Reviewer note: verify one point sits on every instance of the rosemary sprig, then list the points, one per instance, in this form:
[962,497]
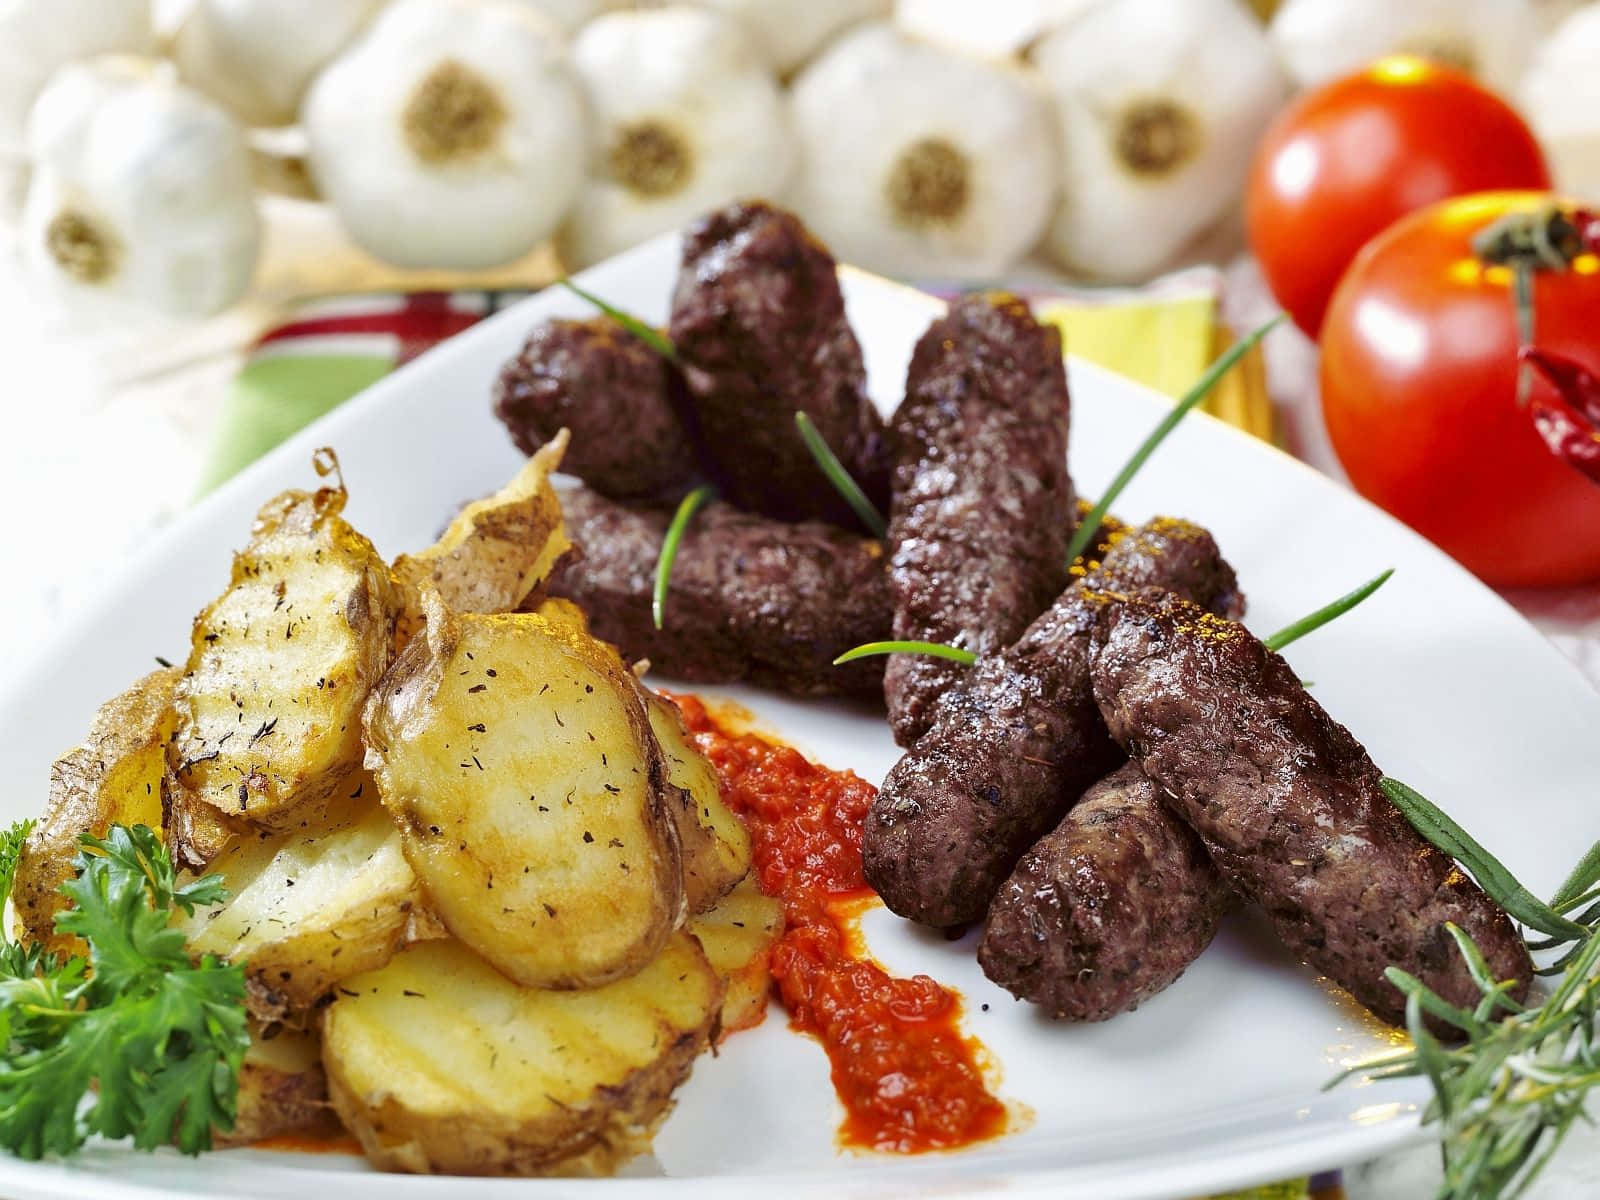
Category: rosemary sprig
[1296,630]
[687,507]
[933,649]
[1091,522]
[837,475]
[1507,1095]
[645,332]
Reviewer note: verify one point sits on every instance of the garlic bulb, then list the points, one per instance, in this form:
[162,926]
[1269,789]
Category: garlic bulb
[919,161]
[1561,99]
[450,135]
[257,57]
[989,30]
[1160,104]
[37,36]
[572,15]
[686,116]
[789,32]
[1321,40]
[140,192]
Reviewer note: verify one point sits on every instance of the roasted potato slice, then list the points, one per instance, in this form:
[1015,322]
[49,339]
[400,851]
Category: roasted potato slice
[516,757]
[113,778]
[269,707]
[497,549]
[282,1088]
[309,908]
[737,936]
[438,1063]
[715,844]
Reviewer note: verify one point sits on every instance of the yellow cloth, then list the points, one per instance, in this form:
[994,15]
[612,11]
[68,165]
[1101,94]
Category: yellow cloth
[1167,344]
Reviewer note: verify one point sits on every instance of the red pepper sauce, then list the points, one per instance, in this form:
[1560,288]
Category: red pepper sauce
[909,1080]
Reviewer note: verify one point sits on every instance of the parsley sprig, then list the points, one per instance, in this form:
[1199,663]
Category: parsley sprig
[136,1041]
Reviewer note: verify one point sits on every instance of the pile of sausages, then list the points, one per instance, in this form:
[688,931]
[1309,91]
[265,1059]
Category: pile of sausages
[1122,764]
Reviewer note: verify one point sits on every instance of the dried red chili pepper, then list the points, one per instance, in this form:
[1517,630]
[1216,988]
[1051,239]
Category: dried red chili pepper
[1569,423]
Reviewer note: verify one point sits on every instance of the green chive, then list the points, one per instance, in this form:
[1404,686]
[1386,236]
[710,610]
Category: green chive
[646,333]
[1316,620]
[838,476]
[1438,829]
[1086,527]
[687,507]
[936,649]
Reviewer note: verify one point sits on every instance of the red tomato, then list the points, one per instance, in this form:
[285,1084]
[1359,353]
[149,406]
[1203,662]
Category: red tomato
[1419,376]
[1347,160]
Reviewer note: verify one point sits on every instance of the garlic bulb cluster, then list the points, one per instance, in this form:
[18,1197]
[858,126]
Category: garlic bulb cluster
[140,191]
[918,160]
[1320,40]
[685,114]
[38,36]
[452,134]
[1561,97]
[1160,104]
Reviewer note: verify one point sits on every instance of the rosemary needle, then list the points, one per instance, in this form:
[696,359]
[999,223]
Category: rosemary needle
[646,333]
[1298,629]
[838,476]
[1097,514]
[935,649]
[687,507]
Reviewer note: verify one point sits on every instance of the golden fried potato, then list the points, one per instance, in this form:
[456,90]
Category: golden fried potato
[497,549]
[282,1088]
[516,757]
[269,707]
[309,908]
[113,778]
[716,846]
[438,1063]
[195,832]
[737,936]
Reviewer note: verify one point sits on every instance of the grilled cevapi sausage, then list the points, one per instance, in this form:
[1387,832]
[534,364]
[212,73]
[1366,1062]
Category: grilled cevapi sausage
[751,599]
[622,401]
[1013,747]
[759,325]
[982,508]
[1288,805]
[1106,909]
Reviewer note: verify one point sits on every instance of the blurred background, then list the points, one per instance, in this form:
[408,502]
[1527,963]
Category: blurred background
[218,218]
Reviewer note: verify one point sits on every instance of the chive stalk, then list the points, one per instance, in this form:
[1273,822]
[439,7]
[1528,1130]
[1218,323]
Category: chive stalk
[837,475]
[687,508]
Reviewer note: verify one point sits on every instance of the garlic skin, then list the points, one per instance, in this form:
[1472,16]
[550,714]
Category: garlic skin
[257,57]
[686,116]
[572,15]
[1160,104]
[988,30]
[38,36]
[451,135]
[140,192]
[1320,40]
[916,161]
[1561,100]
[790,32]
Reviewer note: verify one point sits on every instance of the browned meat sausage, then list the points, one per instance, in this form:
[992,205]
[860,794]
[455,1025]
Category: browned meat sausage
[621,400]
[1108,908]
[1016,745]
[759,324]
[1288,805]
[751,600]
[982,507]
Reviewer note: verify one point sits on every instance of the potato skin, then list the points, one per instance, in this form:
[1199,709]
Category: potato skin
[269,707]
[516,758]
[115,777]
[438,1063]
[715,844]
[283,1089]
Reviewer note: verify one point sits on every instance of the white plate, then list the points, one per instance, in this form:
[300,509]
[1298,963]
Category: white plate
[1213,1084]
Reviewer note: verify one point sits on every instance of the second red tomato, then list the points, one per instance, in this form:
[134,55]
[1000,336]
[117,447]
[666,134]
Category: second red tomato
[1347,160]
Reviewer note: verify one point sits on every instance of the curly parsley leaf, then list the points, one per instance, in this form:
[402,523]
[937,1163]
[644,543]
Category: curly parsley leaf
[136,1042]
